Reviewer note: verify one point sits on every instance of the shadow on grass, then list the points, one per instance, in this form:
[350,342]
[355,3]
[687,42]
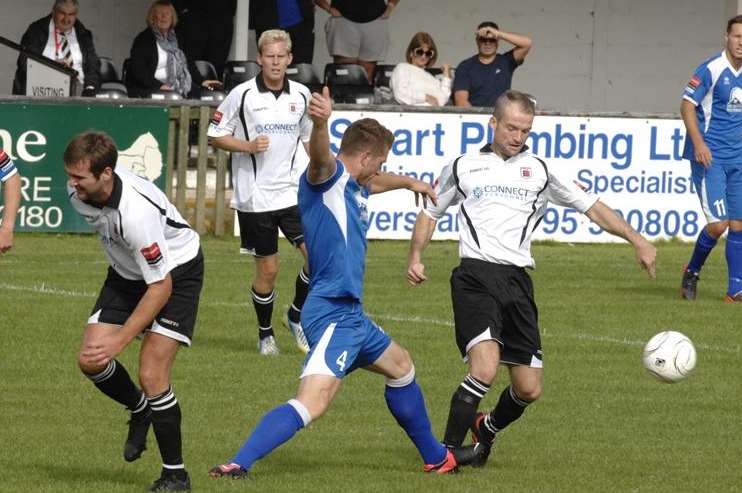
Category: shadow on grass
[80,474]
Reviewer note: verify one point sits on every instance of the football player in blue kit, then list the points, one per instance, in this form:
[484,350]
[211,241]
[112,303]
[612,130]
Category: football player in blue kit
[333,194]
[712,113]
[11,182]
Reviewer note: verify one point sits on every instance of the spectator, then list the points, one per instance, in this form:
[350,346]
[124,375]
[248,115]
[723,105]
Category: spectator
[482,78]
[296,17]
[358,32]
[157,63]
[61,37]
[205,32]
[412,84]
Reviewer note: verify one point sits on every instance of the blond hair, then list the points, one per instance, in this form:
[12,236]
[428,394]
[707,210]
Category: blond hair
[274,36]
[161,3]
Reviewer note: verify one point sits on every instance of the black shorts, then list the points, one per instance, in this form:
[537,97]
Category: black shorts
[259,230]
[119,297]
[495,302]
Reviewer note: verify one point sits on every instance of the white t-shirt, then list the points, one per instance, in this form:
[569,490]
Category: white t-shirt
[410,84]
[143,234]
[502,202]
[265,181]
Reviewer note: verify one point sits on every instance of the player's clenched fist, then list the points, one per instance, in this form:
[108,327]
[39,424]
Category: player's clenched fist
[260,144]
[416,274]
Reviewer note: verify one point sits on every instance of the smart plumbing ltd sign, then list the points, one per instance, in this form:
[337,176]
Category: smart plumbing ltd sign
[35,137]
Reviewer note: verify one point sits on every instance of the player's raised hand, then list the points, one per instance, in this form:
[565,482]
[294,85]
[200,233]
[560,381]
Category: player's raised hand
[425,191]
[416,273]
[260,144]
[320,106]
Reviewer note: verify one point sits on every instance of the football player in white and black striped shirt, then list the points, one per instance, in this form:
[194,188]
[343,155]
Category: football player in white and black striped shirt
[152,290]
[503,192]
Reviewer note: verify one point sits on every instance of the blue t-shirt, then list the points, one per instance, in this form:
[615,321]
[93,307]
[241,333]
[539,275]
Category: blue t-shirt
[716,91]
[334,218]
[485,82]
[7,168]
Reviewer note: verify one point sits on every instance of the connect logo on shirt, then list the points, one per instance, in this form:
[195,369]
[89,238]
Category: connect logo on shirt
[276,128]
[152,254]
[513,193]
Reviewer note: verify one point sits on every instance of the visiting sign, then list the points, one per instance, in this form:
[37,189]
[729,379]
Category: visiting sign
[633,164]
[35,137]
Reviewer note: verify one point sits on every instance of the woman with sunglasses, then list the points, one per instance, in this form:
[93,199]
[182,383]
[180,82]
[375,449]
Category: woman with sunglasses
[412,84]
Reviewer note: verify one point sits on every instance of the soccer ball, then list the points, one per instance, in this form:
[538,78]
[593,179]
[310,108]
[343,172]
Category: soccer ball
[669,356]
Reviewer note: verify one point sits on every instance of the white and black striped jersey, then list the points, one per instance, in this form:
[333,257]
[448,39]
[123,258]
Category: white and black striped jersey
[265,181]
[502,203]
[143,234]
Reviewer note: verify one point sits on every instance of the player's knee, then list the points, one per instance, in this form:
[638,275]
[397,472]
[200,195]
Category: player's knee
[88,368]
[153,382]
[717,229]
[528,392]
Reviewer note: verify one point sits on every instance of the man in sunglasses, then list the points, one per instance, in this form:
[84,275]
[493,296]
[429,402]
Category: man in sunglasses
[482,78]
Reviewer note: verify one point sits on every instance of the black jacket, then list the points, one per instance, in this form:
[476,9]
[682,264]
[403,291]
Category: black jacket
[34,40]
[140,71]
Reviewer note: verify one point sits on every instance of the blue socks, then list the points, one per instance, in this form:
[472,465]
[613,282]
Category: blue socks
[406,403]
[276,428]
[734,261]
[704,244]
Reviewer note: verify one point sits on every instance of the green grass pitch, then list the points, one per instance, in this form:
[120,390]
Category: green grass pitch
[603,424]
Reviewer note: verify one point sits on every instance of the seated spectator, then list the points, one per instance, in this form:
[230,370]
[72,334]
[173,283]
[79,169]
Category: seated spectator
[482,78]
[412,84]
[61,37]
[156,61]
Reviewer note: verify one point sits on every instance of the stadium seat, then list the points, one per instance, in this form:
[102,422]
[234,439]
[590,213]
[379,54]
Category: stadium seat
[166,96]
[206,70]
[383,75]
[348,83]
[108,72]
[303,73]
[239,71]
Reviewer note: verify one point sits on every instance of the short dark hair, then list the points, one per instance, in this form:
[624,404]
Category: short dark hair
[488,24]
[366,134]
[737,19]
[96,147]
[525,102]
[417,41]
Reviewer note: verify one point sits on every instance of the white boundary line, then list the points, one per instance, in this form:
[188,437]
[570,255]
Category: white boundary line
[546,333]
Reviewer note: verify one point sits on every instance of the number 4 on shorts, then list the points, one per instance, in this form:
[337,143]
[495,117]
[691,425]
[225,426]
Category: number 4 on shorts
[341,360]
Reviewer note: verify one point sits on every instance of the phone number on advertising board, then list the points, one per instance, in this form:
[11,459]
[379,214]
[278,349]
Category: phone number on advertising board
[650,222]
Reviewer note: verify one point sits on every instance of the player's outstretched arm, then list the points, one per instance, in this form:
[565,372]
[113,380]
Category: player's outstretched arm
[11,201]
[321,161]
[606,218]
[384,182]
[421,235]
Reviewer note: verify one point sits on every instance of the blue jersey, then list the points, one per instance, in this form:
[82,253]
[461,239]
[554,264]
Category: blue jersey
[716,91]
[7,168]
[334,218]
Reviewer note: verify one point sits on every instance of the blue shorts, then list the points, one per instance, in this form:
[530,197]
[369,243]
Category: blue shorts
[341,337]
[719,189]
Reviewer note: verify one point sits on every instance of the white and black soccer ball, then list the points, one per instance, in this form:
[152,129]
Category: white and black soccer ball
[669,356]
